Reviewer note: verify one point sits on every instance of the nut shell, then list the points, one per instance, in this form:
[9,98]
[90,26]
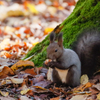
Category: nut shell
[47,61]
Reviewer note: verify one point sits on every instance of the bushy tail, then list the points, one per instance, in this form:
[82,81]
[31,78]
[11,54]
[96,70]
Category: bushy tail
[88,49]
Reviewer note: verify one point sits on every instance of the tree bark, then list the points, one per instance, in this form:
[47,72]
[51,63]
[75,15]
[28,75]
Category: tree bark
[85,15]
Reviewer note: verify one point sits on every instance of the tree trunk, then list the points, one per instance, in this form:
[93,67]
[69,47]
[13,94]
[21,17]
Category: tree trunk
[85,15]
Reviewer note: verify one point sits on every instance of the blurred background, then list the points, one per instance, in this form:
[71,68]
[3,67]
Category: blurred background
[24,23]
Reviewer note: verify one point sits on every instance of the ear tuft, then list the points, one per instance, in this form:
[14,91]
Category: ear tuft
[60,40]
[52,37]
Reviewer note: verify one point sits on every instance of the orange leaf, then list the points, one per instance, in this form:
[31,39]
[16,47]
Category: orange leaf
[55,3]
[1,3]
[8,55]
[17,28]
[30,71]
[83,87]
[5,72]
[27,31]
[57,98]
[30,92]
[18,35]
[41,1]
[7,48]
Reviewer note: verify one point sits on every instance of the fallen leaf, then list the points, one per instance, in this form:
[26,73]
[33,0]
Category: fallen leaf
[30,71]
[58,28]
[38,78]
[93,90]
[32,8]
[30,92]
[15,13]
[38,89]
[84,79]
[24,90]
[21,65]
[98,96]
[83,87]
[79,97]
[97,86]
[4,93]
[5,71]
[48,30]
[24,98]
[7,98]
[43,84]
[17,80]
[57,98]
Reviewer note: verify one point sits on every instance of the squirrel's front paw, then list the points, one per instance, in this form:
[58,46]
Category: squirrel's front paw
[51,64]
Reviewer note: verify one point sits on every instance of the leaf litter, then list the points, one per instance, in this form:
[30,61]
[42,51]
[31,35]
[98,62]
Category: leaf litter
[23,24]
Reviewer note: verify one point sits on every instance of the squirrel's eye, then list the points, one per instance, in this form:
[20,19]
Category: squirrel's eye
[56,50]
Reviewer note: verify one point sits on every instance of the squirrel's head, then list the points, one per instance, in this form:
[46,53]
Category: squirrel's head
[55,50]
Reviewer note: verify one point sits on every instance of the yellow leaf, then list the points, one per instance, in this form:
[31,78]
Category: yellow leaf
[84,79]
[15,13]
[32,8]
[48,30]
[35,43]
[39,87]
[98,96]
[4,93]
[24,91]
[21,64]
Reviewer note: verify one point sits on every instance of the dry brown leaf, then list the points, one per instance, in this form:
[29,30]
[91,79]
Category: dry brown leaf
[5,71]
[30,71]
[7,98]
[38,89]
[79,97]
[58,29]
[5,81]
[30,92]
[21,65]
[97,86]
[93,91]
[57,98]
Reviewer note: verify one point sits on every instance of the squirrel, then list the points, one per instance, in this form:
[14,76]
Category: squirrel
[68,65]
[65,66]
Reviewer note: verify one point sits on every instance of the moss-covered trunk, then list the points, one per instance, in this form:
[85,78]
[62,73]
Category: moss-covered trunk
[86,14]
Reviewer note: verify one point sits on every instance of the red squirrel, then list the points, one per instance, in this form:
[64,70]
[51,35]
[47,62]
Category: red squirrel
[65,66]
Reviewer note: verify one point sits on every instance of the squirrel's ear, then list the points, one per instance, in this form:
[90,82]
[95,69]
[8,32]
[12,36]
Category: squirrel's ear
[60,40]
[52,37]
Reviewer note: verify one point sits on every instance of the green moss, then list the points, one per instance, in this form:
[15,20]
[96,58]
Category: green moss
[85,15]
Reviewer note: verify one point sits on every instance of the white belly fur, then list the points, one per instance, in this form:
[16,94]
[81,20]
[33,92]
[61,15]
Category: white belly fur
[62,74]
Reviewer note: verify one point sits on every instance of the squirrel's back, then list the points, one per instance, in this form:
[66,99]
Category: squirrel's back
[88,49]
